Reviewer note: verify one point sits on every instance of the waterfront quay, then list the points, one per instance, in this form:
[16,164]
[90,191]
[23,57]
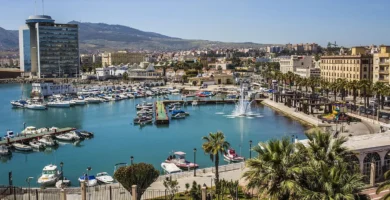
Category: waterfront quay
[27,137]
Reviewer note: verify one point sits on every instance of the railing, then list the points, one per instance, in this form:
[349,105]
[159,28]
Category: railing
[108,193]
[203,171]
[163,195]
[32,194]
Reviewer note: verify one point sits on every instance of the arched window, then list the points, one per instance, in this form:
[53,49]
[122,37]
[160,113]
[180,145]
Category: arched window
[372,157]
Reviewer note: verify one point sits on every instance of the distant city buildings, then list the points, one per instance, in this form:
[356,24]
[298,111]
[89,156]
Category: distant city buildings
[300,48]
[122,57]
[356,66]
[47,49]
[300,65]
[274,49]
[381,66]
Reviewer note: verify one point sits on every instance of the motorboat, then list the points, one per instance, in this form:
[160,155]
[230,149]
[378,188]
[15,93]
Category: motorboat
[178,116]
[174,112]
[4,151]
[123,96]
[104,177]
[35,106]
[195,103]
[232,156]
[9,134]
[178,158]
[145,122]
[36,145]
[93,100]
[144,105]
[50,175]
[76,134]
[22,147]
[19,103]
[140,119]
[63,183]
[170,168]
[59,104]
[86,134]
[91,180]
[47,140]
[65,137]
[29,130]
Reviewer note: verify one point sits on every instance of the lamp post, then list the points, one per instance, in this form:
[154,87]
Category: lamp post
[24,125]
[62,172]
[292,138]
[131,160]
[28,182]
[194,161]
[250,149]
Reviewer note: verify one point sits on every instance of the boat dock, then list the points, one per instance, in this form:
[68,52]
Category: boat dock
[208,101]
[23,138]
[161,113]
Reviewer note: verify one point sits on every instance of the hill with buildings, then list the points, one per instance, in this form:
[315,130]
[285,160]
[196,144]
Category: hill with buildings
[106,37]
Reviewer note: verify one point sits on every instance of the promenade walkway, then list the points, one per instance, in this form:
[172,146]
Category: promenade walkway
[22,137]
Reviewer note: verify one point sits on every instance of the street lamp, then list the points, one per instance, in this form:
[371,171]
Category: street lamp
[194,161]
[24,125]
[28,182]
[131,160]
[292,138]
[62,172]
[250,149]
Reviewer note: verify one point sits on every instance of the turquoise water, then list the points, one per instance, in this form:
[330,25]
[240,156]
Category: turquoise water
[116,138]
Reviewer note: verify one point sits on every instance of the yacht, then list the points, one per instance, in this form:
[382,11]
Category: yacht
[91,180]
[9,134]
[19,103]
[104,177]
[47,140]
[22,147]
[86,134]
[29,130]
[78,101]
[50,175]
[65,137]
[59,104]
[178,158]
[35,106]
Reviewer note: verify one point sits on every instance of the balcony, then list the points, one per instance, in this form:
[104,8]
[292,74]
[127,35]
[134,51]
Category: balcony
[383,71]
[384,63]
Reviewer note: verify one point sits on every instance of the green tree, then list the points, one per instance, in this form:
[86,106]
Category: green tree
[125,77]
[214,145]
[196,192]
[365,87]
[172,187]
[140,174]
[325,87]
[384,186]
[380,89]
[333,86]
[353,86]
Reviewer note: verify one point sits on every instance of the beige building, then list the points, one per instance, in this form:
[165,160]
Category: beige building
[215,79]
[123,57]
[356,66]
[381,65]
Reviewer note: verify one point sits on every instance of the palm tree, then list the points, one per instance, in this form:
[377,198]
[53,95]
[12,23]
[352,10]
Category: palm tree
[365,86]
[333,86]
[273,172]
[215,144]
[312,82]
[380,89]
[291,77]
[354,86]
[325,87]
[384,186]
[341,85]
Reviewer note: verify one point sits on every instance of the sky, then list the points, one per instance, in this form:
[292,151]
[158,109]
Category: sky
[348,22]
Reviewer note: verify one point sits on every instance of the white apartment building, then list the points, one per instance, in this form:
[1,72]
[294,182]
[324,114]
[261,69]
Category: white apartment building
[294,62]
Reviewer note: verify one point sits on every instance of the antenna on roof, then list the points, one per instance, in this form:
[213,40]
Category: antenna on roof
[35,7]
[43,8]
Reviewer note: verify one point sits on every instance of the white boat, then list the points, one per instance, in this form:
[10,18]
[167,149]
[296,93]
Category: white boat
[19,103]
[63,183]
[76,136]
[34,106]
[65,137]
[123,96]
[30,130]
[178,116]
[232,156]
[91,180]
[170,168]
[22,147]
[50,175]
[36,145]
[9,134]
[47,141]
[4,151]
[178,158]
[92,100]
[59,104]
[104,177]
[195,103]
[78,102]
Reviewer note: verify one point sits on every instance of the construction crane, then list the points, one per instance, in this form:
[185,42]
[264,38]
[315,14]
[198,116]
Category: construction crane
[334,45]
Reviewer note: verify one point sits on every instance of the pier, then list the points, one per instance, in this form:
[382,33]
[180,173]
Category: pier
[161,113]
[23,137]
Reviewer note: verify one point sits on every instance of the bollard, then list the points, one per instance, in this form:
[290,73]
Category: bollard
[110,193]
[204,193]
[62,194]
[83,191]
[36,194]
[134,192]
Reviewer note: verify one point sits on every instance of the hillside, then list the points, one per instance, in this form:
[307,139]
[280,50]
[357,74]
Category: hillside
[106,37]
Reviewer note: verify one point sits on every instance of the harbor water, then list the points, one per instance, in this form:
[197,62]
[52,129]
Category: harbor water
[117,138]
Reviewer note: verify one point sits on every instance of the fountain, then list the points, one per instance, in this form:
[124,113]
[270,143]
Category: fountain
[243,108]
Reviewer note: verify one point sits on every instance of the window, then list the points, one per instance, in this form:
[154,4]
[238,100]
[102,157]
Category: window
[364,76]
[365,69]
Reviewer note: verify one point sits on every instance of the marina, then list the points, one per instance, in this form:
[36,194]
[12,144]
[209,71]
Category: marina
[117,138]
